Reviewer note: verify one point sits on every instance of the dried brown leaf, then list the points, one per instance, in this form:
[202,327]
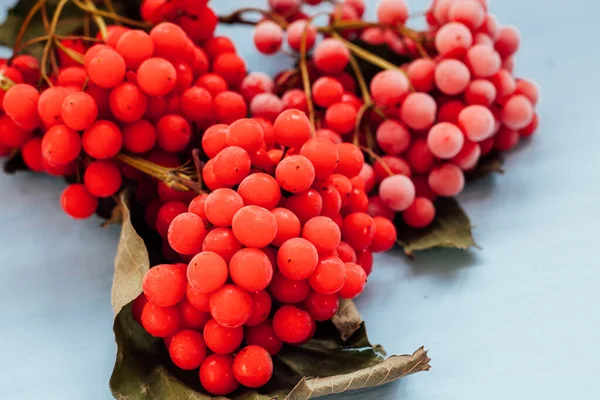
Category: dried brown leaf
[393,368]
[131,262]
[347,320]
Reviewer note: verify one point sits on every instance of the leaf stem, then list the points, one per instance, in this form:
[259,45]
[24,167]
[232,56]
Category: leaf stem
[25,24]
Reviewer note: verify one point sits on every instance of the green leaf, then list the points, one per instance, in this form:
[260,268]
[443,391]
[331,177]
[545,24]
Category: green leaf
[451,228]
[327,364]
[491,164]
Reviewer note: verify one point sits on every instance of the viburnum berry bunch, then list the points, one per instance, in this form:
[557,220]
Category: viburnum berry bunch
[283,244]
[426,121]
[269,195]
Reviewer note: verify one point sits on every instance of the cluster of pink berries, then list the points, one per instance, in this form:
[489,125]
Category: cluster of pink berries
[450,106]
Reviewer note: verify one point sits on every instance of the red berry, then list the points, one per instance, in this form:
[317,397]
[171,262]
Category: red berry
[261,190]
[127,102]
[197,299]
[385,235]
[106,68]
[297,258]
[321,307]
[232,165]
[187,349]
[287,291]
[292,325]
[329,276]
[223,242]
[186,233]
[254,226]
[323,155]
[207,272]
[251,269]
[295,174]
[191,317]
[139,136]
[305,205]
[161,321]
[102,178]
[216,374]
[288,225]
[156,77]
[166,214]
[292,128]
[323,233]
[173,133]
[264,336]
[253,366]
[78,202]
[135,46]
[356,279]
[102,140]
[61,145]
[32,154]
[231,306]
[261,307]
[229,107]
[165,284]
[222,340]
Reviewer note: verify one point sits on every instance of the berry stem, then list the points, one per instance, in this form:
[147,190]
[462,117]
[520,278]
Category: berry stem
[55,17]
[34,41]
[97,19]
[367,55]
[74,55]
[374,158]
[37,6]
[237,17]
[107,14]
[87,38]
[45,19]
[111,8]
[175,178]
[306,78]
[5,83]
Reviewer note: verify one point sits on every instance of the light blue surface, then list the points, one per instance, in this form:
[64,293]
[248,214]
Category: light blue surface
[516,320]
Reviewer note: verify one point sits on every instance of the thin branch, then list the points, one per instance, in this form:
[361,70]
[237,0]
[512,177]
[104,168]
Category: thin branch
[55,17]
[25,24]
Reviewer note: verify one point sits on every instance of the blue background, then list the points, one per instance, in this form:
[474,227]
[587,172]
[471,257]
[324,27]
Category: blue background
[517,319]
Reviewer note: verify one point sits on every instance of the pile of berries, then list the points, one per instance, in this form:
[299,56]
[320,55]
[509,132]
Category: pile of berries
[284,214]
[288,242]
[450,106]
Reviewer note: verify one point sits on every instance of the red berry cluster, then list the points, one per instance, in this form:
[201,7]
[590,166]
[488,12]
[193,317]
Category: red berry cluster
[450,106]
[270,232]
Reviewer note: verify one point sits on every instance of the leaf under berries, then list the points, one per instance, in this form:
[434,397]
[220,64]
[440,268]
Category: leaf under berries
[451,228]
[131,262]
[489,165]
[347,320]
[323,366]
[327,364]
